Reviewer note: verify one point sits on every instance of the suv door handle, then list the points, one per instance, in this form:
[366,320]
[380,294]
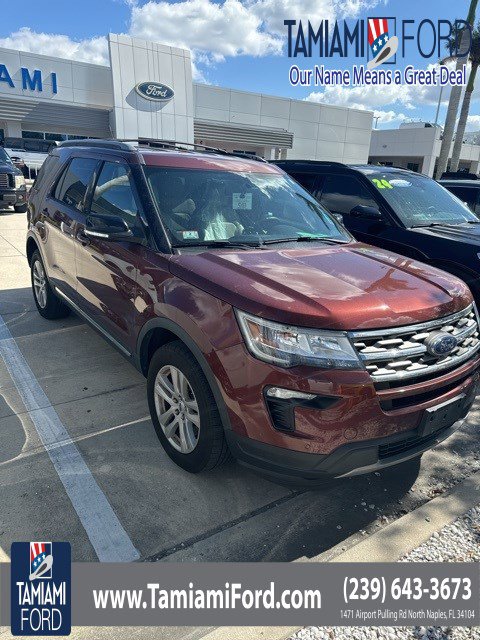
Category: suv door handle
[66,229]
[82,238]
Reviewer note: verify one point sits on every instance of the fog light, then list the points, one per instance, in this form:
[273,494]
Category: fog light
[281,404]
[288,394]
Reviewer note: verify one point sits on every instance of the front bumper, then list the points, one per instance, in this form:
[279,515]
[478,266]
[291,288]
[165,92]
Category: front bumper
[354,434]
[351,459]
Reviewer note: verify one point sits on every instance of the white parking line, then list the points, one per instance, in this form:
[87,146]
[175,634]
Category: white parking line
[109,539]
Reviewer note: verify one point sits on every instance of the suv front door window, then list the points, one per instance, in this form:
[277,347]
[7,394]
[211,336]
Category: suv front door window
[341,193]
[114,194]
[468,195]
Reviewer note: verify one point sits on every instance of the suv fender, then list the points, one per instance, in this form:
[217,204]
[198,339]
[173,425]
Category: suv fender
[171,327]
[460,271]
[32,246]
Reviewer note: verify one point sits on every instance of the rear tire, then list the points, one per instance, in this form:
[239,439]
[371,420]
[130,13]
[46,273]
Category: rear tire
[47,303]
[183,410]
[21,208]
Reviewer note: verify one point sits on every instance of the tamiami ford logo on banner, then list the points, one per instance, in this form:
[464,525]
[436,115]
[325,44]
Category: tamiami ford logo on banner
[40,589]
[378,45]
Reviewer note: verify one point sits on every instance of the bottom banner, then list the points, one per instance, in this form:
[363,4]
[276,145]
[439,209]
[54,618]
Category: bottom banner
[43,597]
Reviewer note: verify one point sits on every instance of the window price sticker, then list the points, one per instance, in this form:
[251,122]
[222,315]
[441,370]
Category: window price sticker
[242,201]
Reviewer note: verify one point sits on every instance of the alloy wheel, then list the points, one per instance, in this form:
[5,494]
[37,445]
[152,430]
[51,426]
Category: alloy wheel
[40,284]
[177,409]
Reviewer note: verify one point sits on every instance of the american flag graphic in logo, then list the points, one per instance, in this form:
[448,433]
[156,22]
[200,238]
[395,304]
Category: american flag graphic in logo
[41,560]
[378,35]
[382,44]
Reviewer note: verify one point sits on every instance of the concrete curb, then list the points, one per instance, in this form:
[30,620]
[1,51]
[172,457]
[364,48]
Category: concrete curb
[397,539]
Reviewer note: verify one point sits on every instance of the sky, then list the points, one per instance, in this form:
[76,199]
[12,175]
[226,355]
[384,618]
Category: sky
[235,44]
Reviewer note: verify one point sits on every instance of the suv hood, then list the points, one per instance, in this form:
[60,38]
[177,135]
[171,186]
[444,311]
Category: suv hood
[469,233]
[339,287]
[6,167]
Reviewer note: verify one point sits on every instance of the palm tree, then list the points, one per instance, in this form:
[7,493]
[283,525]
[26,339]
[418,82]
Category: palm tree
[455,95]
[474,57]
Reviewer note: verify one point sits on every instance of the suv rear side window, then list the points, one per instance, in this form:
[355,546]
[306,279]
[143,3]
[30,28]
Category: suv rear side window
[342,193]
[72,186]
[114,194]
[307,180]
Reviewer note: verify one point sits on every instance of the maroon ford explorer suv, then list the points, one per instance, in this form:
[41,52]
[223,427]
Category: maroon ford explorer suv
[264,329]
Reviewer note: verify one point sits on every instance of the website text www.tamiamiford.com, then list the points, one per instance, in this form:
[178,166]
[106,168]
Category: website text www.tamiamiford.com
[232,596]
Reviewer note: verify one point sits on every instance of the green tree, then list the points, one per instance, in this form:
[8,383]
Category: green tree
[455,96]
[474,58]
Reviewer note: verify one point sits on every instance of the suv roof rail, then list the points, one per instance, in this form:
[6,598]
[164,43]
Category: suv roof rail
[105,143]
[127,144]
[326,163]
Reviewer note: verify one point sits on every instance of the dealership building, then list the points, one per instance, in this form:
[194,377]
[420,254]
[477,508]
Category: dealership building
[46,98]
[416,146]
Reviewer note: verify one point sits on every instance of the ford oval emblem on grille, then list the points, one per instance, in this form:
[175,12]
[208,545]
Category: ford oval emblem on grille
[154,91]
[440,343]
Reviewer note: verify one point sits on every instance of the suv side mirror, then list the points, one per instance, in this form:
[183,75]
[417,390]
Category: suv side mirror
[368,213]
[109,228]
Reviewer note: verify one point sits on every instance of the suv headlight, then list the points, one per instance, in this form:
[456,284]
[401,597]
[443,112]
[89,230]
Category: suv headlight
[288,346]
[19,182]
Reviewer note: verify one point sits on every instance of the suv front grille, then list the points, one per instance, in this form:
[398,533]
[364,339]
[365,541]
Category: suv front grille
[4,181]
[402,352]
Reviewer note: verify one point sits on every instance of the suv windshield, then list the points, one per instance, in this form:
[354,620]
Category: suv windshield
[4,157]
[420,201]
[207,207]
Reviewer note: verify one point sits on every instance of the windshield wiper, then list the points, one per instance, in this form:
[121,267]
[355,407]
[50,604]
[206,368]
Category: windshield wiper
[305,239]
[436,224]
[219,244]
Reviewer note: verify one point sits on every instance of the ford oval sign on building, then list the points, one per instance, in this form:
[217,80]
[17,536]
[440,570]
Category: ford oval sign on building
[154,91]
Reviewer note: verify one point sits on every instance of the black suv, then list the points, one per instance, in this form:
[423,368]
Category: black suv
[13,191]
[467,190]
[400,210]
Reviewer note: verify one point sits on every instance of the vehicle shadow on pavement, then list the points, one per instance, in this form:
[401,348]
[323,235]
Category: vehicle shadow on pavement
[313,521]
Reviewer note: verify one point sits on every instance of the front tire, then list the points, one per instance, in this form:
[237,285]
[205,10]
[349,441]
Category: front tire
[47,303]
[183,410]
[21,208]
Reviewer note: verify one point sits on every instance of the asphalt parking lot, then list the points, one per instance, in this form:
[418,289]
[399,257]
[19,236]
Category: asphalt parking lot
[167,514]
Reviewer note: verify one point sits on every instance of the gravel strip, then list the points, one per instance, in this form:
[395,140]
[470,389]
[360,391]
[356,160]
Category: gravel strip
[457,542]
